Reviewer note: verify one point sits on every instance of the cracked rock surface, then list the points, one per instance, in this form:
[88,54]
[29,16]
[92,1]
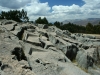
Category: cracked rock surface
[38,49]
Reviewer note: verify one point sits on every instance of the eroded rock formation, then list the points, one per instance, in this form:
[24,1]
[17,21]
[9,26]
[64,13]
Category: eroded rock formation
[36,49]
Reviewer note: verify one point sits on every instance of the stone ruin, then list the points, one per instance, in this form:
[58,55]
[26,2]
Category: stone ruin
[38,49]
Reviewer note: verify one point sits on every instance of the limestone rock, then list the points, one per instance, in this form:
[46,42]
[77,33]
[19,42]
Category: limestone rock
[88,58]
[38,49]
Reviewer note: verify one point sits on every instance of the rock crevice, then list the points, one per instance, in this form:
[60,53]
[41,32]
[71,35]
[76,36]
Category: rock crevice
[38,49]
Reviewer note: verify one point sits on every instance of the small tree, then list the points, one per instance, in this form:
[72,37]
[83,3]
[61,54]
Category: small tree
[57,24]
[45,21]
[41,21]
[89,28]
[24,15]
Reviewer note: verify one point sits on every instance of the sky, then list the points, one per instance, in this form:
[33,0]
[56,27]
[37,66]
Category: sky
[54,10]
[63,2]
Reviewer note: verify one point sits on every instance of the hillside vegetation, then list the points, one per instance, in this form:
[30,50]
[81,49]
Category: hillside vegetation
[21,16]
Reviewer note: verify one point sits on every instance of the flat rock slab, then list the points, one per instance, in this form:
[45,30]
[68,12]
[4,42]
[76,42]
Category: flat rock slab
[57,64]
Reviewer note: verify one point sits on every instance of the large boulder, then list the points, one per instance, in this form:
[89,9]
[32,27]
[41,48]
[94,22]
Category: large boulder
[88,58]
[9,65]
[9,24]
[52,63]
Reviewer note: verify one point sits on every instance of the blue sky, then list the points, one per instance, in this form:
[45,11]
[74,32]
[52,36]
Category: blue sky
[63,2]
[55,10]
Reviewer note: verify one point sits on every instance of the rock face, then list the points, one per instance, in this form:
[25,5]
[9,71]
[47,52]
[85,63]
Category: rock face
[29,49]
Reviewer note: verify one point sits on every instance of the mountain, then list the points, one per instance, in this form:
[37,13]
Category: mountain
[94,21]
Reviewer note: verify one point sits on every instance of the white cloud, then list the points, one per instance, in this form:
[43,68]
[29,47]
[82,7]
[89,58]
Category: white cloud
[65,9]
[91,8]
[88,10]
[94,4]
[38,8]
[35,9]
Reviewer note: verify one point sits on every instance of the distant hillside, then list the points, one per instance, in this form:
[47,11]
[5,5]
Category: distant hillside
[94,21]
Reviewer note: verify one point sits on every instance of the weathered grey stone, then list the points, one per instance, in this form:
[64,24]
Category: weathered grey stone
[40,26]
[87,58]
[8,65]
[45,43]
[94,71]
[4,21]
[44,64]
[29,49]
[9,24]
[51,29]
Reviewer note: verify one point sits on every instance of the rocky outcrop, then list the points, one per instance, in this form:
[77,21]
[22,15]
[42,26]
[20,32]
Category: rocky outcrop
[36,49]
[88,58]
